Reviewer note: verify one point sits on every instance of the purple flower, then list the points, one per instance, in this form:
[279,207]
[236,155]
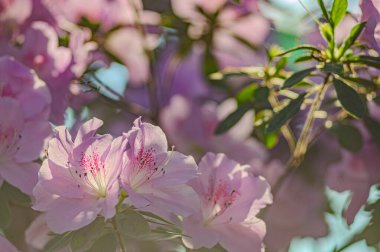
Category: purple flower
[24,107]
[79,179]
[230,198]
[153,177]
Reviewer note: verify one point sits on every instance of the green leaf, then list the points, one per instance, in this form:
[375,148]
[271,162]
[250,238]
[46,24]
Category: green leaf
[84,238]
[303,58]
[5,212]
[15,195]
[107,243]
[367,84]
[350,99]
[301,47]
[281,64]
[336,68]
[366,60]
[324,11]
[246,94]
[232,118]
[132,223]
[327,33]
[270,140]
[297,77]
[286,114]
[373,127]
[354,34]
[58,242]
[349,137]
[338,11]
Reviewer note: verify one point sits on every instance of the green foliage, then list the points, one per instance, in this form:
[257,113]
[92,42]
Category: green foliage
[354,34]
[232,118]
[338,11]
[349,99]
[5,212]
[298,48]
[282,117]
[107,243]
[297,77]
[132,224]
[58,242]
[373,127]
[84,238]
[349,137]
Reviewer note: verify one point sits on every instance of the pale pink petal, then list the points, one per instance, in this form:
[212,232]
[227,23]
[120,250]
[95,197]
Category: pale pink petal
[23,176]
[88,130]
[6,246]
[197,236]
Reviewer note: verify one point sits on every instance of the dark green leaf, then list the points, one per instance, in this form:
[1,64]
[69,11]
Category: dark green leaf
[280,118]
[58,242]
[270,140]
[107,243]
[303,58]
[297,77]
[324,11]
[232,118]
[15,195]
[132,223]
[281,64]
[373,127]
[376,100]
[301,47]
[368,84]
[366,60]
[336,68]
[338,11]
[350,99]
[349,137]
[5,212]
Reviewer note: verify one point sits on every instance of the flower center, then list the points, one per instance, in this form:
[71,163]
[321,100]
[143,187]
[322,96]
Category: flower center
[9,139]
[145,167]
[219,198]
[91,174]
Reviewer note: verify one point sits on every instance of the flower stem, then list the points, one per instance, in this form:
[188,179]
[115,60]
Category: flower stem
[121,243]
[304,139]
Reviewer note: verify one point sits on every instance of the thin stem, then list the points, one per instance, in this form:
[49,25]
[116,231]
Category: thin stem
[303,141]
[153,101]
[285,130]
[122,246]
[128,106]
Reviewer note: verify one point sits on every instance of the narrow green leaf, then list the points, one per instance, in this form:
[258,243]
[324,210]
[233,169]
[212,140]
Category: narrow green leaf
[373,127]
[286,114]
[327,33]
[303,58]
[324,11]
[368,84]
[350,99]
[297,77]
[354,34]
[132,224]
[366,60]
[301,47]
[232,118]
[281,64]
[270,140]
[5,212]
[349,137]
[338,11]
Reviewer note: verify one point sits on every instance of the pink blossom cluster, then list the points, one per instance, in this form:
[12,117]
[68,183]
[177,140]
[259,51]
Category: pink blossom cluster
[83,177]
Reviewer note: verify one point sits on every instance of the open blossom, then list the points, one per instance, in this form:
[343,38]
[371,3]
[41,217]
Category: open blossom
[79,179]
[230,199]
[153,177]
[371,15]
[24,107]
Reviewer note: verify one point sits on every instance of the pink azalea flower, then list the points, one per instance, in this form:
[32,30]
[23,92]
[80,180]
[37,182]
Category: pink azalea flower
[230,197]
[24,107]
[155,178]
[79,179]
[190,127]
[6,246]
[371,15]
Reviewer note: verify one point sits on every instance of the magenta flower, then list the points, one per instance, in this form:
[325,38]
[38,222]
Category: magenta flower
[230,199]
[155,178]
[24,107]
[79,179]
